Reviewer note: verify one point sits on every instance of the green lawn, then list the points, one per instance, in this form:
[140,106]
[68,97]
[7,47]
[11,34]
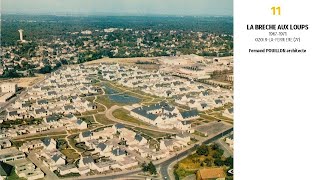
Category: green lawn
[66,175]
[225,106]
[154,134]
[73,143]
[101,118]
[91,98]
[206,117]
[70,154]
[100,108]
[8,124]
[54,135]
[14,176]
[106,101]
[87,119]
[223,118]
[219,116]
[130,91]
[124,115]
[199,134]
[181,173]
[153,144]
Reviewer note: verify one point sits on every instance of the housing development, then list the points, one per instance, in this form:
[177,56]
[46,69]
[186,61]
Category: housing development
[104,118]
[165,115]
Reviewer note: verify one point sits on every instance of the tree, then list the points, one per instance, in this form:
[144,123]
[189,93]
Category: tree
[208,162]
[218,162]
[63,61]
[45,69]
[145,167]
[215,146]
[220,151]
[57,65]
[61,143]
[203,150]
[229,161]
[152,168]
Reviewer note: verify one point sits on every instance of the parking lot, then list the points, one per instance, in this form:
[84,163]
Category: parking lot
[212,128]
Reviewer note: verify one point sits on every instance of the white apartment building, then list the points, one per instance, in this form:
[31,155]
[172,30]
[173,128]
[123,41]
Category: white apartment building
[8,87]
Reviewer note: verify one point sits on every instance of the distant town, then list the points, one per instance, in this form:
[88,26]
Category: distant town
[116,102]
[25,52]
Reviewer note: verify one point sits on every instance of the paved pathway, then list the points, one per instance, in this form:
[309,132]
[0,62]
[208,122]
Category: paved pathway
[71,147]
[56,131]
[227,151]
[49,175]
[138,156]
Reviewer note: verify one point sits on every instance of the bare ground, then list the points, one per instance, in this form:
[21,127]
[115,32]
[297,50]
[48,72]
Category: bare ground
[25,81]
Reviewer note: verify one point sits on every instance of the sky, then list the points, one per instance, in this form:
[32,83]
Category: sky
[119,7]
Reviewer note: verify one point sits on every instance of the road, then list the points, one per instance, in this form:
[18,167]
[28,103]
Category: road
[49,175]
[19,94]
[164,167]
[163,164]
[13,99]
[227,151]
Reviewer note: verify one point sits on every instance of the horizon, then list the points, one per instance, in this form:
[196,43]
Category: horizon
[118,7]
[110,15]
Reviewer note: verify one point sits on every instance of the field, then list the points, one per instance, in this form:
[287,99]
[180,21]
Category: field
[154,134]
[106,101]
[100,108]
[88,119]
[73,143]
[41,135]
[26,81]
[14,176]
[124,115]
[20,141]
[101,118]
[70,154]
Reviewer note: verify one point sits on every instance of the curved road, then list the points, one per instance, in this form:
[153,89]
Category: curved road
[164,167]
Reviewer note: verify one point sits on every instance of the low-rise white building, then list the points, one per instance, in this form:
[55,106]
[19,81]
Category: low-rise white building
[228,113]
[8,87]
[164,116]
[49,144]
[11,154]
[28,170]
[67,169]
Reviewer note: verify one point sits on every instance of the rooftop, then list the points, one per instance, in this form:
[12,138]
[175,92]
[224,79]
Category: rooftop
[211,173]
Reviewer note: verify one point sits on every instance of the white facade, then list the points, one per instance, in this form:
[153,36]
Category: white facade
[9,87]
[21,34]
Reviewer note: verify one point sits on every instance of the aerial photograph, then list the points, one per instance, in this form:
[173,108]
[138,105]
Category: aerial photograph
[116,89]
